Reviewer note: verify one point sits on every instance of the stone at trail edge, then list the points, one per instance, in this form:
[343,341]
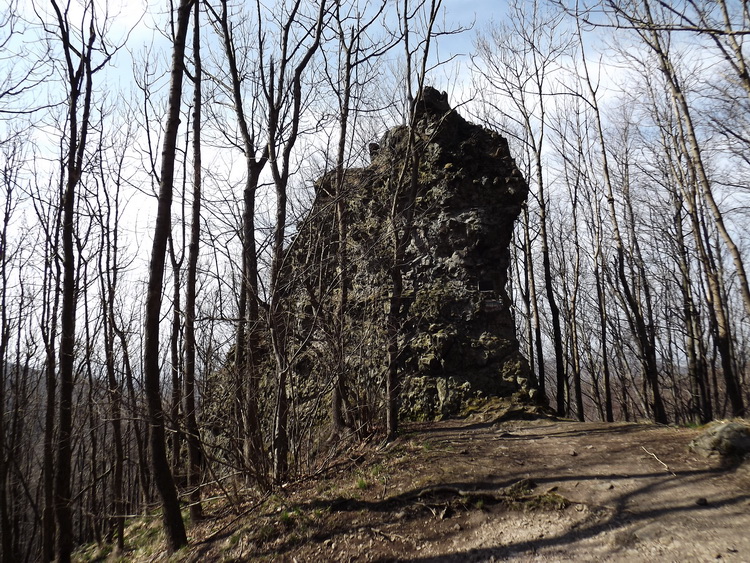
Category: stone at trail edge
[725,439]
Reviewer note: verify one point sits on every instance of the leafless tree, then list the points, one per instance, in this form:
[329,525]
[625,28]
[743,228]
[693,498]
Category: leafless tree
[248,103]
[350,75]
[172,519]
[79,47]
[282,82]
[516,62]
[195,458]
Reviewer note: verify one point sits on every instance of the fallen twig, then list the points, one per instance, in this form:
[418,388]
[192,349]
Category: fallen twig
[434,513]
[390,537]
[660,461]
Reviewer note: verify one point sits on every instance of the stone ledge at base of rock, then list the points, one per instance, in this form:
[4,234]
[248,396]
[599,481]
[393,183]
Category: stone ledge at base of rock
[498,410]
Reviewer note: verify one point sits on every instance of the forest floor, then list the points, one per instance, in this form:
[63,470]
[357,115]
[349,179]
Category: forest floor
[489,488]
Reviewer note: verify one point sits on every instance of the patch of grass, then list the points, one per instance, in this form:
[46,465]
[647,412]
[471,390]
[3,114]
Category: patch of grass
[362,484]
[286,518]
[290,516]
[294,539]
[547,501]
[265,533]
[234,539]
[144,535]
[395,452]
[318,513]
[520,488]
[294,522]
[93,552]
[694,425]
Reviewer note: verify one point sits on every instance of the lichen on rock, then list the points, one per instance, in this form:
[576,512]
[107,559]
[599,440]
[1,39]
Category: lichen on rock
[457,334]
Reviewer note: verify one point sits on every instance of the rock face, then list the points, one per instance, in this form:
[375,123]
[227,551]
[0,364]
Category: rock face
[724,439]
[457,336]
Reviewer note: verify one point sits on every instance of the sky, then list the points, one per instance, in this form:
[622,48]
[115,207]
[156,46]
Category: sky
[135,20]
[141,22]
[136,26]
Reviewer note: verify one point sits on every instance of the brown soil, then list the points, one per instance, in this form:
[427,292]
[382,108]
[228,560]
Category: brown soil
[483,490]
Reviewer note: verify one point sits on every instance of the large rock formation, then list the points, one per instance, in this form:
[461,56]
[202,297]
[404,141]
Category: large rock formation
[457,334]
[730,441]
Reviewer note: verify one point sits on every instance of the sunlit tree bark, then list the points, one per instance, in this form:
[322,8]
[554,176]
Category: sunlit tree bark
[171,517]
[282,84]
[255,154]
[195,457]
[79,71]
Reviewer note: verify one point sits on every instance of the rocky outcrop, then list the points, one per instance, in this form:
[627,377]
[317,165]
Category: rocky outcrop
[456,334]
[727,440]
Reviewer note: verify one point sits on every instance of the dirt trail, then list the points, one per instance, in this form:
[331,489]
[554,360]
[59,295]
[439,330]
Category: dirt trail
[637,494]
[440,494]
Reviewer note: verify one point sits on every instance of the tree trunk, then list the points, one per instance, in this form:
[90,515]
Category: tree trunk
[115,397]
[248,329]
[108,279]
[407,179]
[6,530]
[339,386]
[175,431]
[700,407]
[144,474]
[285,106]
[49,336]
[195,458]
[410,174]
[173,525]
[79,81]
[529,261]
[602,309]
[561,379]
